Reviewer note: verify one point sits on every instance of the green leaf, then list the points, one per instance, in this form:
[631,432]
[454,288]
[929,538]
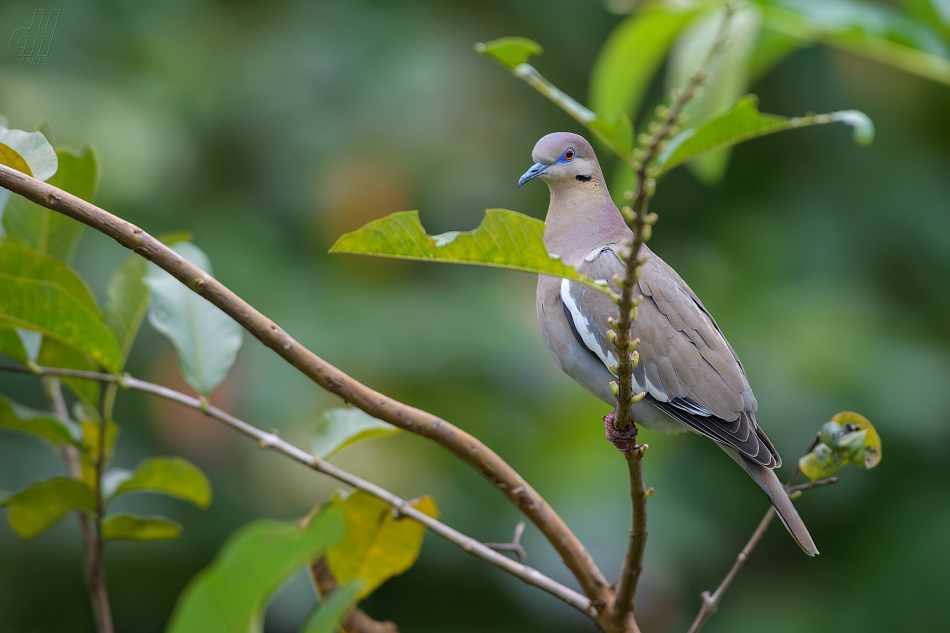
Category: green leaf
[504,239]
[20,261]
[231,594]
[126,303]
[377,546]
[126,527]
[12,344]
[728,75]
[744,122]
[630,57]
[871,30]
[43,504]
[771,48]
[206,339]
[47,231]
[847,438]
[173,476]
[49,309]
[509,51]
[820,462]
[27,152]
[326,617]
[616,131]
[339,428]
[54,353]
[16,417]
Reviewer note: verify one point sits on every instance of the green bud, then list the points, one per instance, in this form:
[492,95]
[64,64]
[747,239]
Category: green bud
[614,388]
[638,397]
[614,370]
[644,139]
[635,358]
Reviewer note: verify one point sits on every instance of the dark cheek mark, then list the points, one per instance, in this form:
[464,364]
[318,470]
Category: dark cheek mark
[583,178]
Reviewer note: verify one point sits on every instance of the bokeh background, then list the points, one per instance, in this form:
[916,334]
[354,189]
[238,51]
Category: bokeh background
[270,128]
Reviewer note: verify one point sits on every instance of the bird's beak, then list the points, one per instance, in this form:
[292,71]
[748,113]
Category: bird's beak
[536,170]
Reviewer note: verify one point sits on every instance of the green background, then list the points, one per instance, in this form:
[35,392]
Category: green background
[270,128]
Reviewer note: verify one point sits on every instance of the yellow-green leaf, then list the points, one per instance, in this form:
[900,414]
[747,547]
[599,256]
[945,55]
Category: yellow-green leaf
[504,239]
[89,447]
[47,308]
[871,454]
[127,527]
[509,51]
[21,261]
[231,594]
[43,504]
[344,426]
[820,462]
[16,417]
[173,476]
[377,546]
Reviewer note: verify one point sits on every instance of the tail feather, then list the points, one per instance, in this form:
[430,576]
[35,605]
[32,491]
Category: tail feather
[786,511]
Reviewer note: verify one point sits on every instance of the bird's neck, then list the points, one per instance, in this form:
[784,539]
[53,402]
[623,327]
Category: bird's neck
[581,217]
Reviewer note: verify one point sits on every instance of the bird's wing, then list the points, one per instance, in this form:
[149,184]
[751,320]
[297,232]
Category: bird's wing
[687,368]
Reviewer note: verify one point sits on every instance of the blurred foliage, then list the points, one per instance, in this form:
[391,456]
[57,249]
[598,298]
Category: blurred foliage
[270,129]
[847,439]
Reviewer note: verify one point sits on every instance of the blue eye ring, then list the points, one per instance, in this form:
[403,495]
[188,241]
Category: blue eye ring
[568,155]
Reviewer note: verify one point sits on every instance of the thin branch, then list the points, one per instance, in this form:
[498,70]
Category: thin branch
[271,441]
[514,545]
[633,563]
[621,334]
[465,446]
[92,546]
[711,601]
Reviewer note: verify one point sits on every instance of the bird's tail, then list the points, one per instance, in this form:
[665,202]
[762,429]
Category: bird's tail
[786,511]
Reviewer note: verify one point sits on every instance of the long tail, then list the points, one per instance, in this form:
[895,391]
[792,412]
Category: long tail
[766,478]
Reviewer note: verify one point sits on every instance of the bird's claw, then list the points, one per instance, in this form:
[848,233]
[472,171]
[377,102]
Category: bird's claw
[625,440]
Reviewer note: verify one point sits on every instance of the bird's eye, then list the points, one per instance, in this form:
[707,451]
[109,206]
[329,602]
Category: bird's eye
[569,153]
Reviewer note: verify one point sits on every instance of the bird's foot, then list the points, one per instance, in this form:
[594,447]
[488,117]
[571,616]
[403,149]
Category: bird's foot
[625,440]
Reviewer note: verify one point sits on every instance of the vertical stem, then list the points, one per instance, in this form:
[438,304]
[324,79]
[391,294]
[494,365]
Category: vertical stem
[633,563]
[92,546]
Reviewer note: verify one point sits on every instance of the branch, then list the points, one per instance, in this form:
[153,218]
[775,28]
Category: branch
[621,334]
[464,445]
[356,621]
[271,441]
[711,601]
[92,543]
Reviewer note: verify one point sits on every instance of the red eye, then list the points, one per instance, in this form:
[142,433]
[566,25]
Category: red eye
[569,153]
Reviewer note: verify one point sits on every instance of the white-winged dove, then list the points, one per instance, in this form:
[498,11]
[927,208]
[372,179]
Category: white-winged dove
[692,377]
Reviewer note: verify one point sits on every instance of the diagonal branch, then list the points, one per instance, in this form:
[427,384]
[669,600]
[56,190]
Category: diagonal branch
[271,441]
[711,600]
[465,446]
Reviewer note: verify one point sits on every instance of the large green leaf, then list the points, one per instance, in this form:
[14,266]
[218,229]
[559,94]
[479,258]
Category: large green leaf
[13,345]
[16,417]
[126,527]
[27,152]
[728,75]
[43,504]
[173,476]
[126,303]
[377,546]
[47,308]
[504,239]
[231,594]
[54,353]
[872,30]
[326,617]
[48,231]
[630,57]
[20,261]
[744,122]
[206,339]
[339,428]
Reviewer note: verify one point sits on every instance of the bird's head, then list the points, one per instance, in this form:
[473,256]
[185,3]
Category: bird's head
[562,159]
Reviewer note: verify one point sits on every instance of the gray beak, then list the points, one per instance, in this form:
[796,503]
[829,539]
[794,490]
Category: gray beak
[536,170]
